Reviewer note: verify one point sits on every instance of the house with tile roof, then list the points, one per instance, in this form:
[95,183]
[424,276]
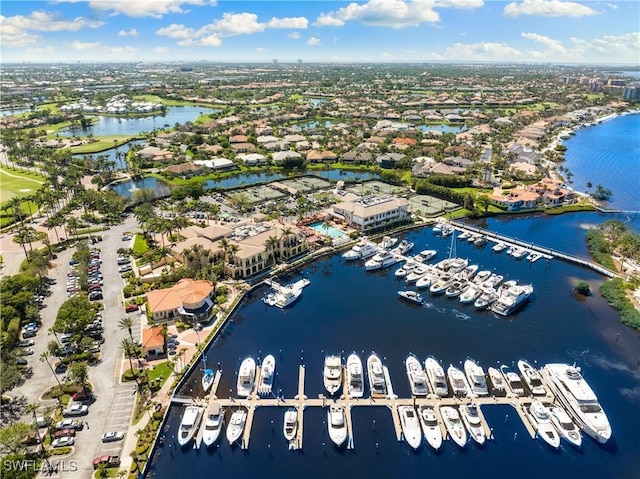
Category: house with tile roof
[189,300]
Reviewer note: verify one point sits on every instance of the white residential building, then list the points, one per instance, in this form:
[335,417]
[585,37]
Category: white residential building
[373,211]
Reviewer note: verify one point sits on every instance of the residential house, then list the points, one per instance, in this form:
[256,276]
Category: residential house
[252,159]
[189,300]
[282,157]
[389,160]
[515,199]
[152,342]
[243,147]
[355,156]
[219,164]
[184,170]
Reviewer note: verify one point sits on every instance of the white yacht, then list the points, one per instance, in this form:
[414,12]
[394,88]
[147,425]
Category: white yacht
[533,256]
[430,426]
[441,284]
[355,376]
[531,378]
[482,276]
[499,247]
[403,247]
[213,424]
[565,426]
[516,252]
[236,425]
[454,425]
[541,420]
[493,281]
[246,377]
[470,294]
[287,296]
[468,272]
[486,299]
[267,374]
[388,242]
[510,299]
[377,381]
[437,227]
[497,381]
[411,296]
[426,255]
[459,385]
[513,380]
[578,399]
[426,280]
[471,419]
[382,260]
[437,378]
[480,241]
[207,379]
[336,424]
[405,269]
[290,426]
[476,378]
[464,235]
[363,250]
[417,377]
[410,426]
[456,288]
[189,424]
[456,265]
[417,273]
[332,373]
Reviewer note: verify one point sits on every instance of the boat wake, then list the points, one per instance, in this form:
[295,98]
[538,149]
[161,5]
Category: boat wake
[432,306]
[460,315]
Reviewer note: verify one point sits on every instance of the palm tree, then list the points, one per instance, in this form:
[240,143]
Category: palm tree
[128,348]
[44,357]
[271,243]
[127,323]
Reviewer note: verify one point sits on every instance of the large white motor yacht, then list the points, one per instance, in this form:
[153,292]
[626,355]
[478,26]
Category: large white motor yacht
[213,424]
[510,299]
[189,424]
[290,426]
[267,374]
[382,260]
[459,385]
[430,426]
[437,378]
[410,426]
[388,242]
[471,419]
[426,280]
[336,424]
[355,376]
[454,425]
[513,380]
[541,419]
[363,250]
[470,294]
[403,248]
[246,377]
[497,381]
[417,273]
[476,378]
[377,381]
[531,378]
[236,425]
[486,299]
[578,399]
[565,426]
[332,373]
[417,377]
[441,284]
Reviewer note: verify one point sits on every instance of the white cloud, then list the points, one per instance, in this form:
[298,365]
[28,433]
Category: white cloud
[260,49]
[291,22]
[145,8]
[313,41]
[176,31]
[122,50]
[548,8]
[210,41]
[383,13]
[609,48]
[294,35]
[549,43]
[463,4]
[18,39]
[232,24]
[160,49]
[131,33]
[484,51]
[612,6]
[84,46]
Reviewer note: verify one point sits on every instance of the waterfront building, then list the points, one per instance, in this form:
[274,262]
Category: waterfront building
[515,199]
[373,211]
[631,92]
[152,342]
[188,300]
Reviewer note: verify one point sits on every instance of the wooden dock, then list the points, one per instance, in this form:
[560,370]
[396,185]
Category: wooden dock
[301,401]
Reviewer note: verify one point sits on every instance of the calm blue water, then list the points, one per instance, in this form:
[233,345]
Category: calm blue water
[112,154]
[111,125]
[345,309]
[15,111]
[312,124]
[608,154]
[442,128]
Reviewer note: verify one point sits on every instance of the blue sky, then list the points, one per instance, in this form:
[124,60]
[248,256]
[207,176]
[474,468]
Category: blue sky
[321,31]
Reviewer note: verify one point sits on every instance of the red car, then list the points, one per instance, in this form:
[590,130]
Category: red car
[130,308]
[67,432]
[82,396]
[108,461]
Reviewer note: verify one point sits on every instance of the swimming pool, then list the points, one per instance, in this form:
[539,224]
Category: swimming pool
[327,230]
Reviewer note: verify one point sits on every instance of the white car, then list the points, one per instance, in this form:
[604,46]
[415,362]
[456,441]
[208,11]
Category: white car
[112,436]
[76,410]
[27,352]
[63,441]
[76,424]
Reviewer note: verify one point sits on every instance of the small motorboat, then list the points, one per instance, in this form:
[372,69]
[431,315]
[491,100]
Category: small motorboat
[410,426]
[236,425]
[497,381]
[213,424]
[332,373]
[207,379]
[336,424]
[411,296]
[290,426]
[565,426]
[541,419]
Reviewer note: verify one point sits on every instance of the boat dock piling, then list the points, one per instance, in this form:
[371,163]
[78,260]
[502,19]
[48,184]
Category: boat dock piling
[251,409]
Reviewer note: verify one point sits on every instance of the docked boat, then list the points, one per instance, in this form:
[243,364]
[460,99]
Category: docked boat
[363,250]
[377,381]
[486,299]
[472,238]
[336,424]
[470,294]
[246,377]
[480,241]
[430,426]
[499,247]
[459,385]
[456,288]
[355,376]
[382,260]
[531,378]
[411,296]
[236,425]
[410,426]
[189,424]
[388,242]
[454,425]
[332,373]
[286,297]
[426,280]
[441,284]
[482,276]
[405,269]
[417,377]
[471,419]
[436,376]
[426,255]
[513,380]
[437,228]
[493,281]
[290,426]
[417,273]
[213,424]
[468,272]
[456,265]
[447,231]
[497,381]
[476,378]
[511,299]
[207,379]
[541,419]
[565,426]
[267,374]
[579,400]
[517,253]
[464,235]
[533,256]
[403,247]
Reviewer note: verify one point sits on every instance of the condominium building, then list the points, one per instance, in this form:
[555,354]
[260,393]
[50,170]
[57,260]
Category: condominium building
[373,211]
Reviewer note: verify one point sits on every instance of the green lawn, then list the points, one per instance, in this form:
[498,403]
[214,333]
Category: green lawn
[103,143]
[139,245]
[16,183]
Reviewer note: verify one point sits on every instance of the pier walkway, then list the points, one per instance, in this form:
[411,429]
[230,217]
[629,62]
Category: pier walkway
[544,252]
[391,401]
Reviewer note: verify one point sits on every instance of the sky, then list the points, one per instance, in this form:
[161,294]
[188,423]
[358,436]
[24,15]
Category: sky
[538,31]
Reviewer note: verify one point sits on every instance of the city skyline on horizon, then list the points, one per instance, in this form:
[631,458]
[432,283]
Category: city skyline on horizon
[374,31]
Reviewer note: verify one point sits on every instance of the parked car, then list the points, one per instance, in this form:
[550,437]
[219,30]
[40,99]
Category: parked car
[26,342]
[75,410]
[94,296]
[130,308]
[22,361]
[41,421]
[29,334]
[108,461]
[76,424]
[112,436]
[32,439]
[82,395]
[66,432]
[63,441]
[27,351]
